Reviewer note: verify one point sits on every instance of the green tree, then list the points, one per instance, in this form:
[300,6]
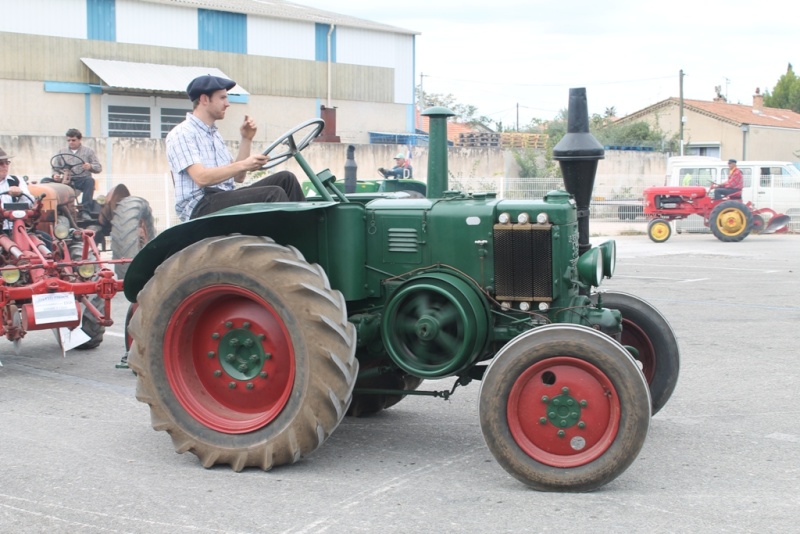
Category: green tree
[786,94]
[465,113]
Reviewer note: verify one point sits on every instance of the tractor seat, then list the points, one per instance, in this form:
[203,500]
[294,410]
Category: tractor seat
[735,196]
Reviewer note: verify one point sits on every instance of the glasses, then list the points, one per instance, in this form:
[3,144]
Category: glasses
[6,163]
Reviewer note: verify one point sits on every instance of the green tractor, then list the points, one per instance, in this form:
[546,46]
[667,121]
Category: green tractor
[260,327]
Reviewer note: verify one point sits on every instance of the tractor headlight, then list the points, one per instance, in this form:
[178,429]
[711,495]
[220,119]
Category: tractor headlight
[609,249]
[86,270]
[590,267]
[504,218]
[10,276]
[61,231]
[523,218]
[542,218]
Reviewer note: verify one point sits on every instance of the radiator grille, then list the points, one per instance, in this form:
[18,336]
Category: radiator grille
[523,262]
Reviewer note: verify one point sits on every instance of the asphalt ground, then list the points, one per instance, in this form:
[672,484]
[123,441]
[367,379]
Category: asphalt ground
[78,454]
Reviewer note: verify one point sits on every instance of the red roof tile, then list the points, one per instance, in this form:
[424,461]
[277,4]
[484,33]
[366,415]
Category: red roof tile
[733,113]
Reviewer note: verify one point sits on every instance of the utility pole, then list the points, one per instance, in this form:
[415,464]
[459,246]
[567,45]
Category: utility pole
[517,116]
[680,105]
[421,92]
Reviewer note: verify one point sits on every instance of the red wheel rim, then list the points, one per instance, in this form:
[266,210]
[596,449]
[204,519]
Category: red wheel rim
[634,336]
[550,429]
[229,359]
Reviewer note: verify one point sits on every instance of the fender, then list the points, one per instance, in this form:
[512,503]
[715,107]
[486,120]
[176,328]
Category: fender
[248,219]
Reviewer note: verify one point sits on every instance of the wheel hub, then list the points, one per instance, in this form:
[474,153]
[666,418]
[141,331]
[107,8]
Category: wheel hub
[241,353]
[563,411]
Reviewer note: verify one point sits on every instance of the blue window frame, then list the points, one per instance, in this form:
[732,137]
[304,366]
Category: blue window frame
[101,20]
[321,43]
[222,32]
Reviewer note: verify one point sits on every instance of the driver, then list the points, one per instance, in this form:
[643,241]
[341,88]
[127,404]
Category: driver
[12,189]
[202,166]
[734,183]
[80,170]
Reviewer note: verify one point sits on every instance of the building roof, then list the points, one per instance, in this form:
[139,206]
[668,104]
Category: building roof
[284,10]
[737,114]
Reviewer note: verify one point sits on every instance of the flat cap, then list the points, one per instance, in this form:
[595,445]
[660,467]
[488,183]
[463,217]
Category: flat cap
[732,161]
[205,85]
[4,156]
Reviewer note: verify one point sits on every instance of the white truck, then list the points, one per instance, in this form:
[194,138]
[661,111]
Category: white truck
[767,184]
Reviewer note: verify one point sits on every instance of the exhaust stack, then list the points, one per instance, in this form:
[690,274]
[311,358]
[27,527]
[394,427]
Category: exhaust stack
[577,154]
[437,151]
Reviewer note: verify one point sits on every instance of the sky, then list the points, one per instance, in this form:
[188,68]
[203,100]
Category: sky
[516,60]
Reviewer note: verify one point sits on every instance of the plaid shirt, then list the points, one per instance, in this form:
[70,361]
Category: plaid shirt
[190,142]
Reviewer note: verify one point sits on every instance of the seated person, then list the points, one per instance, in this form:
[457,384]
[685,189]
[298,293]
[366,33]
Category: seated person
[734,183]
[11,187]
[402,168]
[78,175]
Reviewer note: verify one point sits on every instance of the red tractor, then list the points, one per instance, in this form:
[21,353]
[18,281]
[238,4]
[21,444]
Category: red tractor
[728,217]
[52,277]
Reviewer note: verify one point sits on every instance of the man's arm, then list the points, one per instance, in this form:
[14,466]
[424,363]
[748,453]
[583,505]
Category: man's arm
[208,176]
[248,131]
[92,163]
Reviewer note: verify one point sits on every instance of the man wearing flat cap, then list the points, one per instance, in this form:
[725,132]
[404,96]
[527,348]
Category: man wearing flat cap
[734,183]
[11,187]
[203,168]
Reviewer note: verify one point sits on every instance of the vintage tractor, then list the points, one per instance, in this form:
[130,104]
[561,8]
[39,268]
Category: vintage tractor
[261,326]
[126,219]
[52,278]
[729,219]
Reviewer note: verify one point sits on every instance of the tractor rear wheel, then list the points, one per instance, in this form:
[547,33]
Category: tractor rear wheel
[132,227]
[564,408]
[731,221]
[243,352]
[659,230]
[650,335]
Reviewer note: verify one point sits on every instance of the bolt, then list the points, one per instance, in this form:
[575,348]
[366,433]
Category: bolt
[261,337]
[249,385]
[552,415]
[254,357]
[565,389]
[573,414]
[233,342]
[561,433]
[584,403]
[570,402]
[231,385]
[217,373]
[563,423]
[556,402]
[543,420]
[228,324]
[267,355]
[545,398]
[215,336]
[263,374]
[211,354]
[581,425]
[248,343]
[246,324]
[243,367]
[230,357]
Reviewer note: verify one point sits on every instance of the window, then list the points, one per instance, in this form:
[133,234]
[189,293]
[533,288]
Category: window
[149,117]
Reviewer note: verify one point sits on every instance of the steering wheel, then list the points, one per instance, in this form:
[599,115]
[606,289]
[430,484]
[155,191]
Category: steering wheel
[294,148]
[67,162]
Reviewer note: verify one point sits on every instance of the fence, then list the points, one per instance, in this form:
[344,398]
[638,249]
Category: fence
[614,198]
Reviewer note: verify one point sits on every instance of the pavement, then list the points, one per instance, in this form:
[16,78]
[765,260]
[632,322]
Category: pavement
[79,454]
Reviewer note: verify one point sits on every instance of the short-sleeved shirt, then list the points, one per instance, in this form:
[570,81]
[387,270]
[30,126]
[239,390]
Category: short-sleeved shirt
[193,141]
[5,185]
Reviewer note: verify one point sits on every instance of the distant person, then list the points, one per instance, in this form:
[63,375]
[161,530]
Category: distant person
[78,175]
[203,167]
[402,168]
[687,179]
[734,183]
[11,187]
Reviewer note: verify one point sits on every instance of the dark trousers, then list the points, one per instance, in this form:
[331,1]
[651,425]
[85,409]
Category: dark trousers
[84,184]
[279,187]
[720,192]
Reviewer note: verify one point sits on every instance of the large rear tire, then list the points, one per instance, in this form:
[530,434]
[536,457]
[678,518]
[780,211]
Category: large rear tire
[652,338]
[731,221]
[564,408]
[132,227]
[243,352]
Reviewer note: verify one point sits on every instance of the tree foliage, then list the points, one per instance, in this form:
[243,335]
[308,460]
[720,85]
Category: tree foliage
[786,94]
[465,113]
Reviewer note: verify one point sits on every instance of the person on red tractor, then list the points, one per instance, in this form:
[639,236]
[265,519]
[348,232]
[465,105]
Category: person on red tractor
[11,187]
[734,183]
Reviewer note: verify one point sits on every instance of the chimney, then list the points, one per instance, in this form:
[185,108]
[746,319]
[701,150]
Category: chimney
[758,99]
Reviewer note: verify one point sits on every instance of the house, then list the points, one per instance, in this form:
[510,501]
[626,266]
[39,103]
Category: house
[723,130]
[119,68]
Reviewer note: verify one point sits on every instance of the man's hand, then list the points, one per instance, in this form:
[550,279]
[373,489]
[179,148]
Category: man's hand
[255,162]
[15,191]
[87,166]
[248,128]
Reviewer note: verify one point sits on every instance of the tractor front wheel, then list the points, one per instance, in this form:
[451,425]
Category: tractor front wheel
[243,352]
[564,408]
[731,221]
[650,336]
[659,230]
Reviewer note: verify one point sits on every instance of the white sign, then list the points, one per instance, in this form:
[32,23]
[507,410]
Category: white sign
[54,308]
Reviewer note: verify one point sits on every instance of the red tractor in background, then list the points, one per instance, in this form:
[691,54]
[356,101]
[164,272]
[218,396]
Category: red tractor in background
[729,218]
